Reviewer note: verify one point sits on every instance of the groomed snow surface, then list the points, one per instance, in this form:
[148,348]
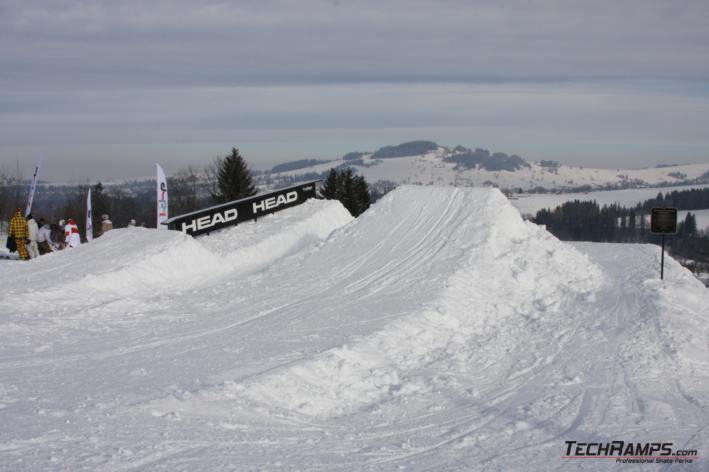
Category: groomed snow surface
[438,331]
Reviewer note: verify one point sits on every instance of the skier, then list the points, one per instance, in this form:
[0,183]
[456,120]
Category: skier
[32,230]
[18,229]
[44,237]
[71,234]
[106,224]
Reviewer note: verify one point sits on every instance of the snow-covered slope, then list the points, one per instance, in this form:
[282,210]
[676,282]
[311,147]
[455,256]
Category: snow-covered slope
[418,261]
[132,261]
[431,169]
[437,331]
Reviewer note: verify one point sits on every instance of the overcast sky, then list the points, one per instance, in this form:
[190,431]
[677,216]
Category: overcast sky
[103,89]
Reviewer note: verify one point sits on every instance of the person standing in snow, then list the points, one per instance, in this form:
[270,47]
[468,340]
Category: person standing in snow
[32,231]
[18,230]
[71,234]
[58,234]
[106,225]
[131,223]
[44,237]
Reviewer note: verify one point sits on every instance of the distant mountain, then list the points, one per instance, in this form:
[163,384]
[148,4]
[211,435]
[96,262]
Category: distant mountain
[412,148]
[428,163]
[463,157]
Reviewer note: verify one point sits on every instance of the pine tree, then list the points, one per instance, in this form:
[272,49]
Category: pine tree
[348,198]
[331,189]
[231,178]
[690,225]
[631,225]
[352,191]
[362,195]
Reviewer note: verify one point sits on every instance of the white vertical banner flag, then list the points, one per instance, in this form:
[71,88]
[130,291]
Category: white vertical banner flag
[162,198]
[89,223]
[28,210]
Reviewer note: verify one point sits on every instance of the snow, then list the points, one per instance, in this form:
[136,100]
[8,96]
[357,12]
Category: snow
[135,260]
[372,368]
[438,331]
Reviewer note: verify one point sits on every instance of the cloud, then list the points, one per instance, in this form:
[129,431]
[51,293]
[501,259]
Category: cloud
[165,43]
[94,80]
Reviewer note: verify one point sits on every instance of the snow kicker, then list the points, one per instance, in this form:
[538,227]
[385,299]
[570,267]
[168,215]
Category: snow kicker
[135,262]
[466,260]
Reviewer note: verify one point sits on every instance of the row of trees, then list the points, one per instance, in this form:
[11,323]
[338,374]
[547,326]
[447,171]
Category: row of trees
[693,199]
[587,221]
[227,178]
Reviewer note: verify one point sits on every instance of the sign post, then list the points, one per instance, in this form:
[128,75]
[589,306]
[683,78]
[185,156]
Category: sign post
[663,221]
[89,222]
[33,187]
[662,260]
[162,198]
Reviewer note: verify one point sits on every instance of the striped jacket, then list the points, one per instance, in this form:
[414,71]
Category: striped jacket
[18,227]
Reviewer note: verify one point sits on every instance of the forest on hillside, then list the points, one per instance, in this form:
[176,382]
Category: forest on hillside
[587,221]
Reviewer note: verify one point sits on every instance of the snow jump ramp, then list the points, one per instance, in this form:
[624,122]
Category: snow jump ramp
[437,331]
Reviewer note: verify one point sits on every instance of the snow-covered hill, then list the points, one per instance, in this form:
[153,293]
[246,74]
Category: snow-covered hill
[438,331]
[432,168]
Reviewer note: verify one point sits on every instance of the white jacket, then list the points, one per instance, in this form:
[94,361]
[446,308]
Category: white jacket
[45,234]
[33,229]
[71,235]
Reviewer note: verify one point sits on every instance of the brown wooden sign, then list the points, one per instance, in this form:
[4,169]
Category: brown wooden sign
[663,220]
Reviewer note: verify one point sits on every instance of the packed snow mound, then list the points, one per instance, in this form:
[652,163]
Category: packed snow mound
[131,261]
[477,262]
[254,246]
[122,261]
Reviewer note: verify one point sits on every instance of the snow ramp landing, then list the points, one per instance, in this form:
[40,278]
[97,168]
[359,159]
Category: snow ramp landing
[414,281]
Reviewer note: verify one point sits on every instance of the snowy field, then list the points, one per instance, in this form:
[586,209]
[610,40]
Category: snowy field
[438,331]
[530,204]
